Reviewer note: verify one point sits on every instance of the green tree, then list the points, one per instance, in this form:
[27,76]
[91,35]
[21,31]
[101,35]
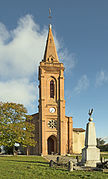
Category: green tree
[100,141]
[16,126]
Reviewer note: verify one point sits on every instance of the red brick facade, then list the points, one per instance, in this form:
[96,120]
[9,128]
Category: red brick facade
[53,130]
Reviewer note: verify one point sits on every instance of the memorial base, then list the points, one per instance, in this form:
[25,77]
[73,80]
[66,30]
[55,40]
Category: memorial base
[90,156]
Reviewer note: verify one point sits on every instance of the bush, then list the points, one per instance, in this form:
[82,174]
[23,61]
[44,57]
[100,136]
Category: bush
[8,150]
[103,148]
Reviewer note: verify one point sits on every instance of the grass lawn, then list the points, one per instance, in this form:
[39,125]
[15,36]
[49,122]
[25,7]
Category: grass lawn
[104,154]
[34,167]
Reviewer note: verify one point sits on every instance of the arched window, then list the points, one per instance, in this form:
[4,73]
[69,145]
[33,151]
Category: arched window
[51,89]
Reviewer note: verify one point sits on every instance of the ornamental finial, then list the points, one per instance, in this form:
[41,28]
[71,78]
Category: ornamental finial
[90,114]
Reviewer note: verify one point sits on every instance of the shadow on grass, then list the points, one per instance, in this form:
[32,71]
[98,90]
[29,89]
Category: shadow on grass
[41,164]
[28,161]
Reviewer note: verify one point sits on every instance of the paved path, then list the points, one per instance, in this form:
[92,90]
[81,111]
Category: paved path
[63,159]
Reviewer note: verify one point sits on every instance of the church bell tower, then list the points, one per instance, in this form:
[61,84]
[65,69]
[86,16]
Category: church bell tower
[55,129]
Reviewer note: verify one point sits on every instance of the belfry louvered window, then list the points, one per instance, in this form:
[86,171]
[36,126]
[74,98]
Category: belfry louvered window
[51,89]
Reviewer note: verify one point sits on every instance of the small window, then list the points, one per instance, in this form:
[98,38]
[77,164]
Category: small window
[51,59]
[51,89]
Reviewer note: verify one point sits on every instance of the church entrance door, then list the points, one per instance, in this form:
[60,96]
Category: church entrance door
[52,145]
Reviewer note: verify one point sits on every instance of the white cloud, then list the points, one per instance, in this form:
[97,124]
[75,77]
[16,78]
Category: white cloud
[19,91]
[4,35]
[69,59]
[101,78]
[21,50]
[82,84]
[20,56]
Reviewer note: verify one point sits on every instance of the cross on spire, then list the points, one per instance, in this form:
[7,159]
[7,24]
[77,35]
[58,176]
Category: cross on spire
[50,17]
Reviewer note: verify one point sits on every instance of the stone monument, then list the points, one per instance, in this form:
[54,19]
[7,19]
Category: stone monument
[90,154]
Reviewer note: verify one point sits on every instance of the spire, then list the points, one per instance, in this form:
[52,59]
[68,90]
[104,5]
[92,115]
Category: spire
[50,54]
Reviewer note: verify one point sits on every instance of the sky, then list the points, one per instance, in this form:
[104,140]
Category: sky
[80,29]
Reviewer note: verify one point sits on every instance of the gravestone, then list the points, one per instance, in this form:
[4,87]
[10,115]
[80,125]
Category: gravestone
[58,159]
[70,167]
[51,163]
[90,154]
[77,159]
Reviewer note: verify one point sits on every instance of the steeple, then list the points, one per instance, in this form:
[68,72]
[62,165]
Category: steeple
[50,54]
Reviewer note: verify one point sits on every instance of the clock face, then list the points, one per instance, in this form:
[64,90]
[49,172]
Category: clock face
[52,110]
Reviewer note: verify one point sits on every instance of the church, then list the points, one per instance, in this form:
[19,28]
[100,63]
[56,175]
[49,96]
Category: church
[54,132]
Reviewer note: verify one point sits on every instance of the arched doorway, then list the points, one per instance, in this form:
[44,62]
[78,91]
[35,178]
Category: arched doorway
[52,145]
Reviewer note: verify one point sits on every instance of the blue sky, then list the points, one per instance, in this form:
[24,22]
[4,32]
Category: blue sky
[80,28]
